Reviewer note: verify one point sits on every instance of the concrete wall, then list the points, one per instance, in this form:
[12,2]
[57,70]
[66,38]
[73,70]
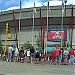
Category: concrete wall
[55,11]
[25,36]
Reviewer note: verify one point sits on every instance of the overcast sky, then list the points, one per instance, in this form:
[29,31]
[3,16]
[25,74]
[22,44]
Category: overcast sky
[14,4]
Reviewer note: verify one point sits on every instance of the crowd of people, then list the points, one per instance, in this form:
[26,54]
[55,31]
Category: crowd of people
[57,56]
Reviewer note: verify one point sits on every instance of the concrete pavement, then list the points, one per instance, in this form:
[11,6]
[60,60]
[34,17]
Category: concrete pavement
[11,68]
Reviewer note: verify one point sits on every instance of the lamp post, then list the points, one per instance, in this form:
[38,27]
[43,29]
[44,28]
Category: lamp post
[72,25]
[47,22]
[42,23]
[62,22]
[20,12]
[72,20]
[62,13]
[33,23]
[65,6]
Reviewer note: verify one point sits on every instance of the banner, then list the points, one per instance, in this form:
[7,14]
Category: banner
[57,35]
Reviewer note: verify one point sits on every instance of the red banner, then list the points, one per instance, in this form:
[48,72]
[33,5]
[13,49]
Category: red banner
[56,35]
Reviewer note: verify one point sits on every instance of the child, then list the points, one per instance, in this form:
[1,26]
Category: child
[22,56]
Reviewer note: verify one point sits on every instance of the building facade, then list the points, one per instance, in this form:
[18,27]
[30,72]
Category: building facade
[55,21]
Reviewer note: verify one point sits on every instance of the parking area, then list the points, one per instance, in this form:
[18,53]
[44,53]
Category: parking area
[12,68]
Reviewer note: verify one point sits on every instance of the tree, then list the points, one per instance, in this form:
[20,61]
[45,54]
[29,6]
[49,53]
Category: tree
[39,44]
[27,45]
[65,44]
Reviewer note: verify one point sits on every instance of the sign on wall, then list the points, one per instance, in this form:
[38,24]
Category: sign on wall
[57,35]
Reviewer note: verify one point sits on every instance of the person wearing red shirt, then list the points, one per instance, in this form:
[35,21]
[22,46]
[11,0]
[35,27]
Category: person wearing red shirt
[71,56]
[57,55]
[52,54]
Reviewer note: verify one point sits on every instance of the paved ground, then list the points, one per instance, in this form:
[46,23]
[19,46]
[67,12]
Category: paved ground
[7,68]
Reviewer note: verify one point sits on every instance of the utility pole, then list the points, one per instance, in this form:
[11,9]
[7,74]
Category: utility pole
[6,37]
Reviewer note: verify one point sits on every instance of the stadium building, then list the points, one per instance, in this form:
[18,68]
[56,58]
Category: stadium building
[28,27]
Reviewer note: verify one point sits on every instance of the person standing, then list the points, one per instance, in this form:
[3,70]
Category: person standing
[28,55]
[16,54]
[21,55]
[65,56]
[52,54]
[9,52]
[57,55]
[71,52]
[32,54]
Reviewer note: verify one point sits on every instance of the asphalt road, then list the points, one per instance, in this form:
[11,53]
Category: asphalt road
[12,68]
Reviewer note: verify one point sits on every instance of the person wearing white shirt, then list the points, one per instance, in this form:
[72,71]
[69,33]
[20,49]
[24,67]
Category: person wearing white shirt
[10,49]
[28,55]
[16,54]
